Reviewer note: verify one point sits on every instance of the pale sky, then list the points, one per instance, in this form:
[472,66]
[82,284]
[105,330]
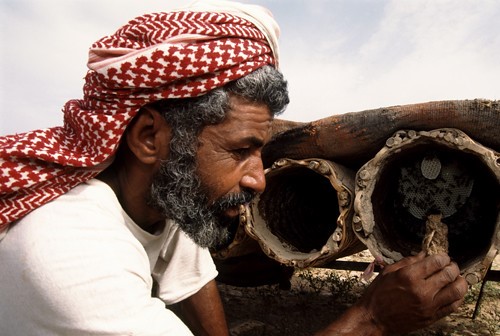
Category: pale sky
[339,56]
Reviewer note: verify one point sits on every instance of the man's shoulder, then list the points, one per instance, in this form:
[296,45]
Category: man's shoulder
[91,206]
[81,222]
[88,200]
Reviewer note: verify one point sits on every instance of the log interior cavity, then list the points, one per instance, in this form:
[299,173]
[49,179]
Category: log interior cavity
[300,206]
[471,226]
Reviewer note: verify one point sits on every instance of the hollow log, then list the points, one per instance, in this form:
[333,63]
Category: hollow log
[435,189]
[303,218]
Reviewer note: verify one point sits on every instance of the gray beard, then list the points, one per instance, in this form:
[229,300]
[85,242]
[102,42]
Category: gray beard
[178,193]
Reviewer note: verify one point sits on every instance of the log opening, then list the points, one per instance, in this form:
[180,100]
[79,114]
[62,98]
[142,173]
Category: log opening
[422,173]
[303,216]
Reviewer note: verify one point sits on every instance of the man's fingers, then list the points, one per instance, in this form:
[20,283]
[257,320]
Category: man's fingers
[448,309]
[429,265]
[452,294]
[445,276]
[404,262]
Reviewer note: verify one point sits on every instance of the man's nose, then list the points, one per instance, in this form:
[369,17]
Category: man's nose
[254,178]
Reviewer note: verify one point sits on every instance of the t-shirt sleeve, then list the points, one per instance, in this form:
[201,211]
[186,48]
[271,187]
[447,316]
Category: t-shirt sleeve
[183,267]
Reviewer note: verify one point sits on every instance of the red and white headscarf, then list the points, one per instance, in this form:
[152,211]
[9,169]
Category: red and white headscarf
[178,54]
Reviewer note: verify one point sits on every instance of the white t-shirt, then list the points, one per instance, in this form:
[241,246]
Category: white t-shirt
[79,265]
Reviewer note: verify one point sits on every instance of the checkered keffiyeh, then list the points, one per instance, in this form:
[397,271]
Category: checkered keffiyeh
[155,56]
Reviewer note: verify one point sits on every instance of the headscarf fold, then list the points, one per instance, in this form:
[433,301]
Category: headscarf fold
[167,55]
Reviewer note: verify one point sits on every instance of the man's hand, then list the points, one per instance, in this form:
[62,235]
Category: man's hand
[414,293]
[408,295]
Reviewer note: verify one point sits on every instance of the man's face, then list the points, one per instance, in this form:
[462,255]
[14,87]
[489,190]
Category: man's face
[228,173]
[229,155]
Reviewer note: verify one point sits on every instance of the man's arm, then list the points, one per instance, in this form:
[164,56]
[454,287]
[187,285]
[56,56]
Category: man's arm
[203,312]
[408,295]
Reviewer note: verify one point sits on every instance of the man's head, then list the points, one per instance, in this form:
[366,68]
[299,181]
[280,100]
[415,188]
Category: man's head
[214,163]
[175,55]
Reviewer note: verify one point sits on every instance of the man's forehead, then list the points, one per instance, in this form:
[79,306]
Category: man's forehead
[251,131]
[252,124]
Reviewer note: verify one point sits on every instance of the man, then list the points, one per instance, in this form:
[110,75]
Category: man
[149,170]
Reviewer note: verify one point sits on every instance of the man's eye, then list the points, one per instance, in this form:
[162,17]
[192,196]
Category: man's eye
[241,152]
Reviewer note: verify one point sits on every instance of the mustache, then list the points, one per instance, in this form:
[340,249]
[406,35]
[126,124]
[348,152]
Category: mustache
[232,200]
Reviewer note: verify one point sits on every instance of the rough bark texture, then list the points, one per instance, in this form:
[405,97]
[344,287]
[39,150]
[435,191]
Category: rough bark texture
[353,138]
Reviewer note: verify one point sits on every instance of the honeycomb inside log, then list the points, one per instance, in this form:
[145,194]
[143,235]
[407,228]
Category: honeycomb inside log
[468,201]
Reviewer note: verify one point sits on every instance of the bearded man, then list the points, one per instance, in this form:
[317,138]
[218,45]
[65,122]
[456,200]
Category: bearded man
[148,172]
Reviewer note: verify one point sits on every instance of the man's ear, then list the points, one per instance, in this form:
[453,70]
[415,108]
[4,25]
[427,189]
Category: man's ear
[148,136]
